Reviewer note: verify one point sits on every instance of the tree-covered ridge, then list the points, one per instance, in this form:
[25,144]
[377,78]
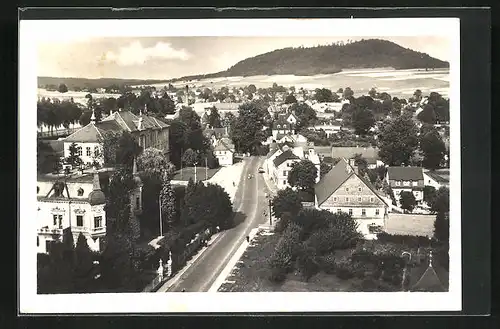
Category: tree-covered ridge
[328,59]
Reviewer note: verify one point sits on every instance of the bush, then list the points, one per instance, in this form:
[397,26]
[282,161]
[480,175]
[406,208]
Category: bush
[327,263]
[283,222]
[306,261]
[284,253]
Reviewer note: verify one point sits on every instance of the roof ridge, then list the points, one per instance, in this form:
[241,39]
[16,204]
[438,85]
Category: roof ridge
[78,130]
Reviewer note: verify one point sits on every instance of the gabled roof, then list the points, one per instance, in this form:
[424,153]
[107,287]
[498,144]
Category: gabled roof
[223,146]
[405,173]
[273,149]
[429,281]
[334,179]
[131,122]
[88,134]
[287,155]
[105,126]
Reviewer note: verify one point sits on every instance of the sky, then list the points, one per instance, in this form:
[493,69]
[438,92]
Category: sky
[171,57]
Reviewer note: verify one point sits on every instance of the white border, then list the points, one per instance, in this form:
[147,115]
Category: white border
[31,32]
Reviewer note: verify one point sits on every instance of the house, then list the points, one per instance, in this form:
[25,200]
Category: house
[290,117]
[297,140]
[282,164]
[280,161]
[373,163]
[437,178]
[282,126]
[75,203]
[410,179]
[327,106]
[342,189]
[274,151]
[147,130]
[329,128]
[224,152]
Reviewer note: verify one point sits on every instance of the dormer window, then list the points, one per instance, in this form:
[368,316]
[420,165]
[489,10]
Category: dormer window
[279,126]
[80,192]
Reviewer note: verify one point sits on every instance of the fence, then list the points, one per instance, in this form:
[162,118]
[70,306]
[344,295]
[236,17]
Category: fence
[57,133]
[153,285]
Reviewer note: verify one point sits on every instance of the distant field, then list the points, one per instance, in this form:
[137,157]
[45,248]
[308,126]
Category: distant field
[398,83]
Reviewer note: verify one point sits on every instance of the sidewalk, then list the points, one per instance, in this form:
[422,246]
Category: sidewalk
[271,186]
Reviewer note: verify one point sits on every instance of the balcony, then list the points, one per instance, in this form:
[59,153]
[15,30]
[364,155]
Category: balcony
[51,231]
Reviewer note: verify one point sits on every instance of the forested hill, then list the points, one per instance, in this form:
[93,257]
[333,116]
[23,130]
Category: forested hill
[371,53]
[73,83]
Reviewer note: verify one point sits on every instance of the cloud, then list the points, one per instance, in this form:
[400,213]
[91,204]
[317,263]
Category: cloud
[136,54]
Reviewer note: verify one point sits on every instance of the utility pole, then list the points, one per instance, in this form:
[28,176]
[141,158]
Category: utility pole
[206,168]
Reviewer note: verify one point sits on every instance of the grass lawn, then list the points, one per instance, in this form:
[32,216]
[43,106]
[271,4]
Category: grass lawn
[186,173]
[252,272]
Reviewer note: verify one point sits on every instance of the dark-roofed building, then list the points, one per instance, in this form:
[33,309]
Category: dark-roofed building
[148,131]
[430,277]
[282,164]
[281,126]
[410,179]
[342,189]
[437,178]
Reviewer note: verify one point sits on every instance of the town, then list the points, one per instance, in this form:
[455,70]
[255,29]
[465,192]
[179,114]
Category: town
[278,188]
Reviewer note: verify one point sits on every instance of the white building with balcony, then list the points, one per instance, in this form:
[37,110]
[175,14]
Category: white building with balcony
[76,202]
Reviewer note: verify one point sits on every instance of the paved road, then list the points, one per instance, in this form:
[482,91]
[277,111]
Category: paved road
[249,205]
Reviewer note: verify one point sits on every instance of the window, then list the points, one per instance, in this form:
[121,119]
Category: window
[377,211]
[339,210]
[80,191]
[334,199]
[80,152]
[37,241]
[137,202]
[359,189]
[60,218]
[88,152]
[371,199]
[55,219]
[415,183]
[359,199]
[37,189]
[279,126]
[346,199]
[363,212]
[284,182]
[284,172]
[347,189]
[79,220]
[350,212]
[97,221]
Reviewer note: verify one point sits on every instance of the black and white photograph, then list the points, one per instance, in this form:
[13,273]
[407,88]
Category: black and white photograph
[240,165]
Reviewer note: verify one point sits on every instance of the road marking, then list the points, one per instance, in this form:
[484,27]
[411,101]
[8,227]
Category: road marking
[238,241]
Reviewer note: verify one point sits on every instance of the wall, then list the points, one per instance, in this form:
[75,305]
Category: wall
[429,181]
[85,158]
[225,157]
[281,179]
[363,222]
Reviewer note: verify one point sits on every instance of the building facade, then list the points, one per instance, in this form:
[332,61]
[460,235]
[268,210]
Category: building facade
[409,179]
[342,189]
[224,152]
[147,130]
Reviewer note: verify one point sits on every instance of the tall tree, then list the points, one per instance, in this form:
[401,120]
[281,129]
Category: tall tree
[290,99]
[74,158]
[398,140]
[325,95]
[441,201]
[154,163]
[427,115]
[433,150]
[167,198]
[362,120]
[189,158]
[62,88]
[305,113]
[247,129]
[83,265]
[348,92]
[442,226]
[214,119]
[286,200]
[118,210]
[303,175]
